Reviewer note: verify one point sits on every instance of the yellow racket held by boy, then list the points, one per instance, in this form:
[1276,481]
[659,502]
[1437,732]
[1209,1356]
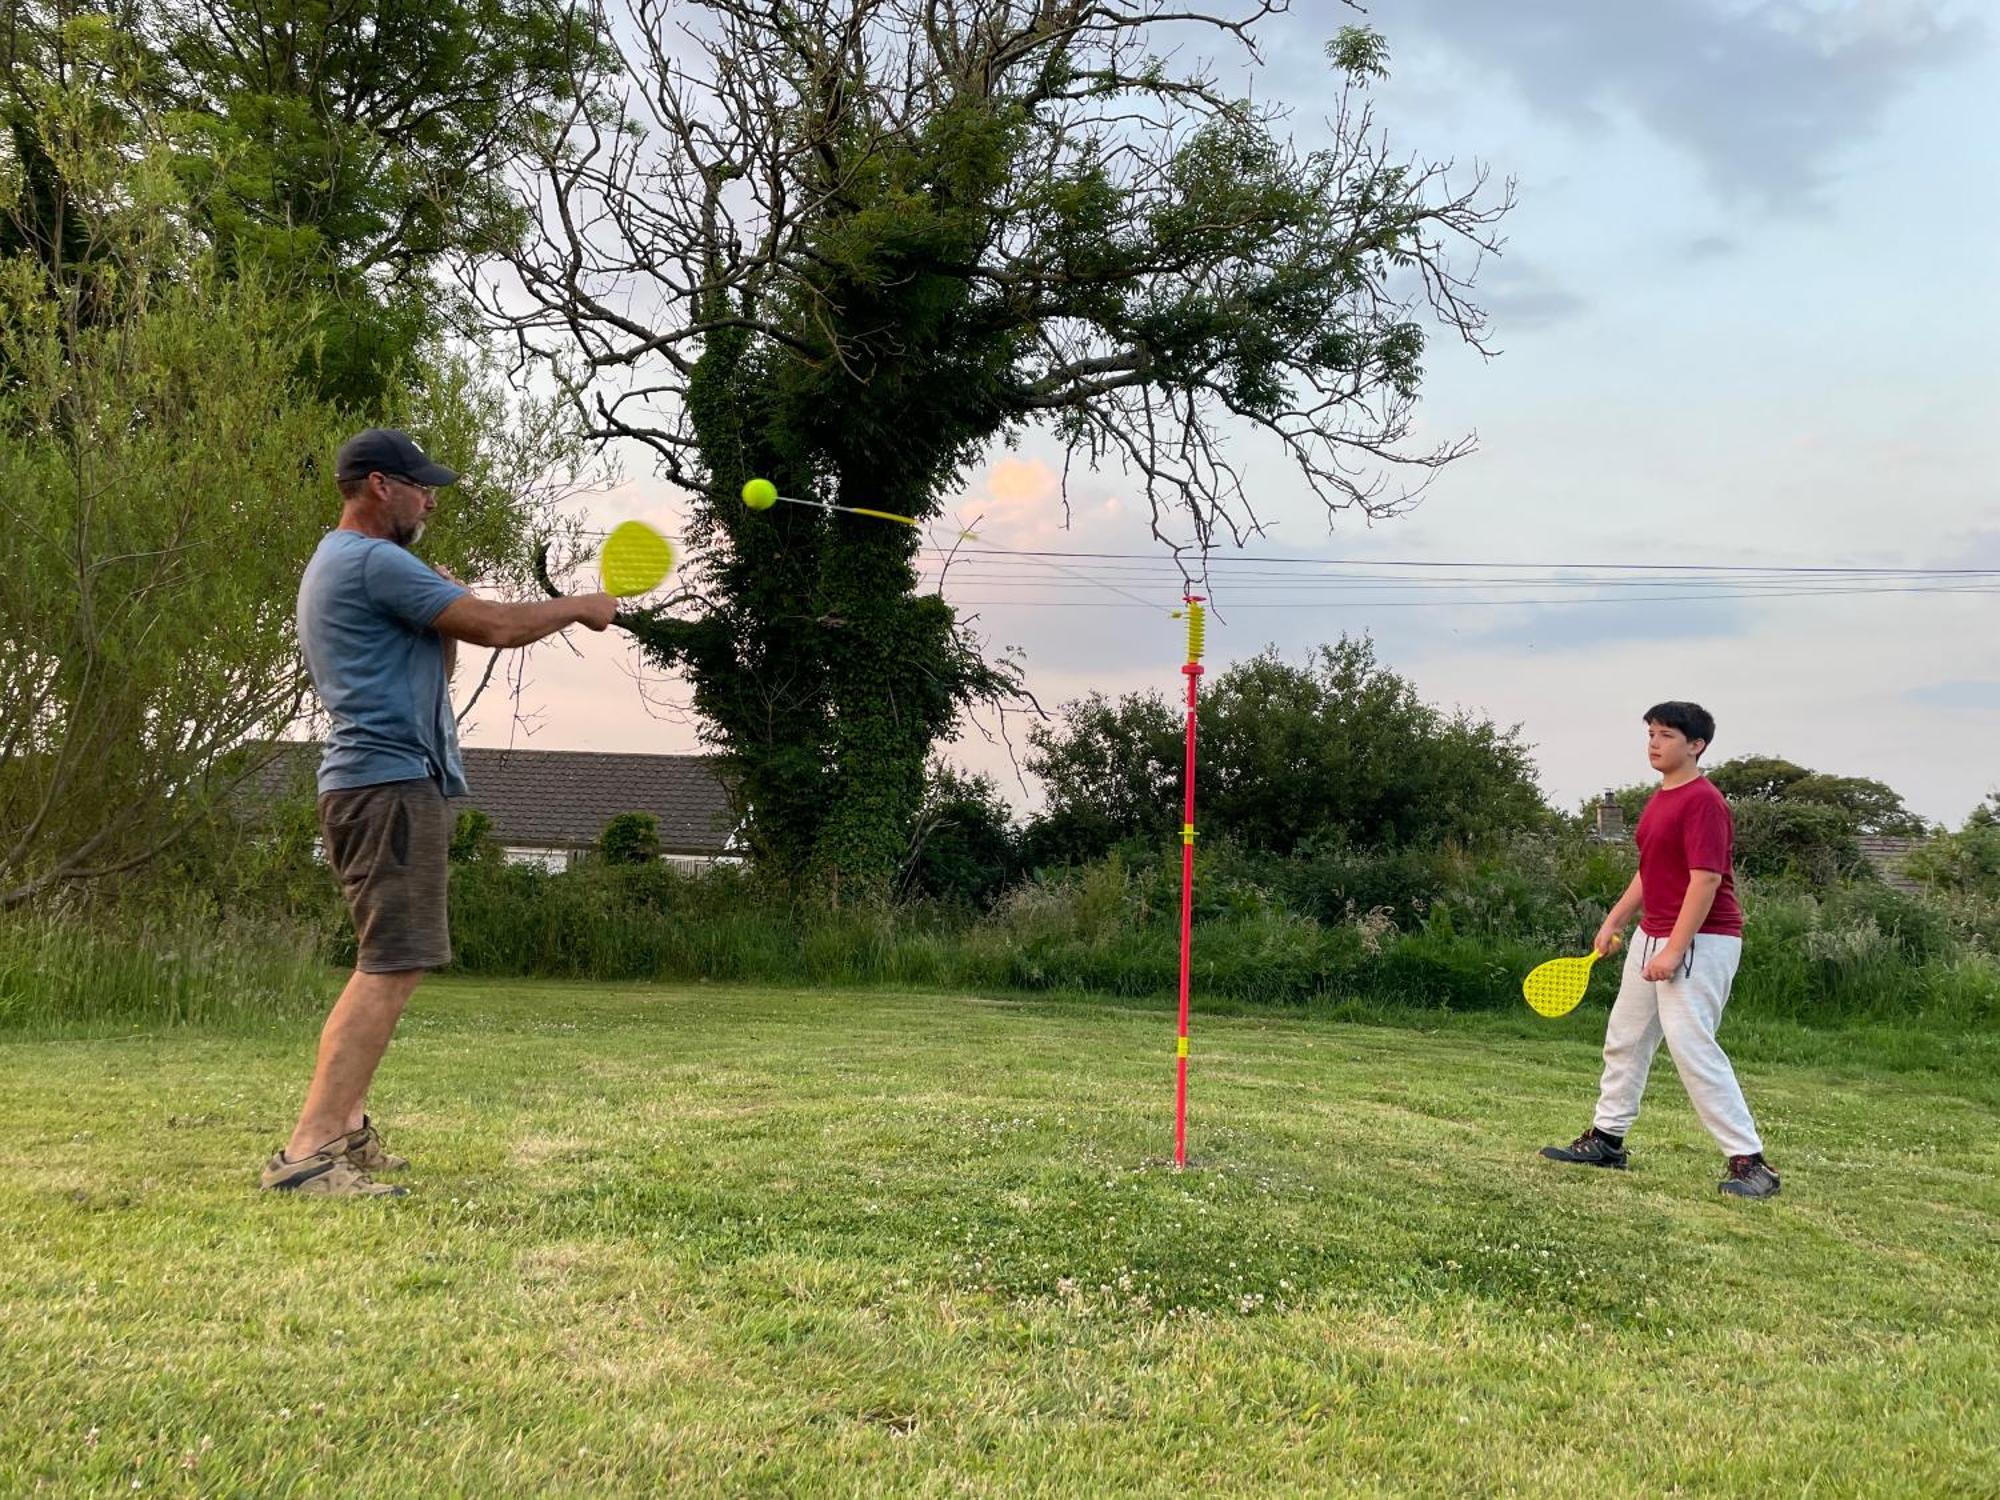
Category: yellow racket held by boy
[1554,988]
[636,560]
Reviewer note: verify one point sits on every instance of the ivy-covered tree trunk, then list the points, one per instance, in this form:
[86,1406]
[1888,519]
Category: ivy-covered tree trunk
[755,653]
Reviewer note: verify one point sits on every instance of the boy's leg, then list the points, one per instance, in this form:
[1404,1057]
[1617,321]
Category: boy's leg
[1631,1037]
[1690,1009]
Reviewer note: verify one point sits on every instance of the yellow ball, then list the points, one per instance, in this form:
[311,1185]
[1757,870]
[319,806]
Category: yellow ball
[760,494]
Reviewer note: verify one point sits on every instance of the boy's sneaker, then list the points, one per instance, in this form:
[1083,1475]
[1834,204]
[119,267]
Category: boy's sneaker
[366,1151]
[1750,1177]
[1591,1150]
[324,1174]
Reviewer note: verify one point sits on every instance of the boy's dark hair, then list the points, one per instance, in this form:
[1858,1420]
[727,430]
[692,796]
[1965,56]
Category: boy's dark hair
[1691,719]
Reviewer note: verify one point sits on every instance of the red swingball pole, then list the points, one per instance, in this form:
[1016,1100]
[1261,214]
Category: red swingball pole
[1197,628]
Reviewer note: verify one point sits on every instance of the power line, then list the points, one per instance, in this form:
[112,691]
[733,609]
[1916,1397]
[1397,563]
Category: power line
[1331,603]
[1344,583]
[1043,578]
[1231,559]
[1164,563]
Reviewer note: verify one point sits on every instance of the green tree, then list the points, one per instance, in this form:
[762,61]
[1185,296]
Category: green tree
[1866,805]
[1803,840]
[1871,806]
[1765,776]
[357,154]
[965,848]
[631,838]
[162,484]
[1966,862]
[1110,771]
[861,241]
[364,151]
[1343,747]
[1338,751]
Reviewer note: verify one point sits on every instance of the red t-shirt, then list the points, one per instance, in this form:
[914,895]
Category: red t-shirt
[1687,828]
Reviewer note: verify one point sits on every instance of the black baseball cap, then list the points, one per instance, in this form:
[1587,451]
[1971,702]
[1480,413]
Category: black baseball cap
[384,450]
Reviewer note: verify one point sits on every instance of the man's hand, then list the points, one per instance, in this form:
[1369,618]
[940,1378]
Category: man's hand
[1666,964]
[595,611]
[1607,940]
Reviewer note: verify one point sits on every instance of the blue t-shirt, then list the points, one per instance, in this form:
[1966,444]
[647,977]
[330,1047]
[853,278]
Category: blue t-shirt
[365,612]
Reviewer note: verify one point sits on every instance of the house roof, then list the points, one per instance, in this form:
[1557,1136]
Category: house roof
[561,799]
[1887,854]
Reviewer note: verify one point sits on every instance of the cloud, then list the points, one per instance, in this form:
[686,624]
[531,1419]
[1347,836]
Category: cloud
[1590,625]
[1709,247]
[1961,697]
[1018,502]
[1520,295]
[1764,94]
[1974,549]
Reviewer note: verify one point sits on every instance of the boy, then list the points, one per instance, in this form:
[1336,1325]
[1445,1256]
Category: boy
[1681,963]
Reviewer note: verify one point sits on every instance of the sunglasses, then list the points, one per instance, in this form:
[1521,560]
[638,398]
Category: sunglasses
[429,491]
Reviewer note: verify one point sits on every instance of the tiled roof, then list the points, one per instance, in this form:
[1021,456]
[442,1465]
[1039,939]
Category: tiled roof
[561,799]
[1887,853]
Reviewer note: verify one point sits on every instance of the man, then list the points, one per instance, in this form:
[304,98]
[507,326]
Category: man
[1680,968]
[379,629]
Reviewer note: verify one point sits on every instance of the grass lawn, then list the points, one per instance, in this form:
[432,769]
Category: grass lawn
[740,1241]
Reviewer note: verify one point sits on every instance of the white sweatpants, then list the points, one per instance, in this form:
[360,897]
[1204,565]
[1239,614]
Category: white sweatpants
[1685,1011]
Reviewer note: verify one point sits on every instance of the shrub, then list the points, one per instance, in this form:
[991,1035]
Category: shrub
[631,838]
[472,838]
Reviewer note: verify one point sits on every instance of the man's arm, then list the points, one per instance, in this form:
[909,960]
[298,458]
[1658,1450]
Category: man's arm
[1619,917]
[490,622]
[448,645]
[1702,888]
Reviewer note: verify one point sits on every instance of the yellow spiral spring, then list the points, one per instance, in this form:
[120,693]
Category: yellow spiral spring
[1197,618]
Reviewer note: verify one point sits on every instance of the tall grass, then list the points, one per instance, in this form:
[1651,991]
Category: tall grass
[65,968]
[1362,934]
[1856,953]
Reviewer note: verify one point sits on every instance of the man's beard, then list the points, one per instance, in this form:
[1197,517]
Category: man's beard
[408,536]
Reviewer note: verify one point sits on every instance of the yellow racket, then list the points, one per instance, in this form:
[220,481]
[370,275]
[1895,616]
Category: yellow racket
[1554,988]
[636,560]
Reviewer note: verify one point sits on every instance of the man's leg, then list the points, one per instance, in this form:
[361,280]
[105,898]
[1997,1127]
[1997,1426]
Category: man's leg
[1691,1013]
[351,1044]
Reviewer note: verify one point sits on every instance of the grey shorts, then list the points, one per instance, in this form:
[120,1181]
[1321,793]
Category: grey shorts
[390,845]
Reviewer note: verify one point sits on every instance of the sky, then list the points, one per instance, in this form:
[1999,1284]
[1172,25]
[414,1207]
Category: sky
[1746,315]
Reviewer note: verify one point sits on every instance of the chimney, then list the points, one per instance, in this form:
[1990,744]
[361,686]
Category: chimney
[1610,820]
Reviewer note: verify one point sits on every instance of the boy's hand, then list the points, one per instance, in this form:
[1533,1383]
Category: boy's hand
[1665,964]
[1607,941]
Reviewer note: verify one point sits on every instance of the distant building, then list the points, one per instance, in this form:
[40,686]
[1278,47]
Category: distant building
[549,806]
[1610,824]
[1888,855]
